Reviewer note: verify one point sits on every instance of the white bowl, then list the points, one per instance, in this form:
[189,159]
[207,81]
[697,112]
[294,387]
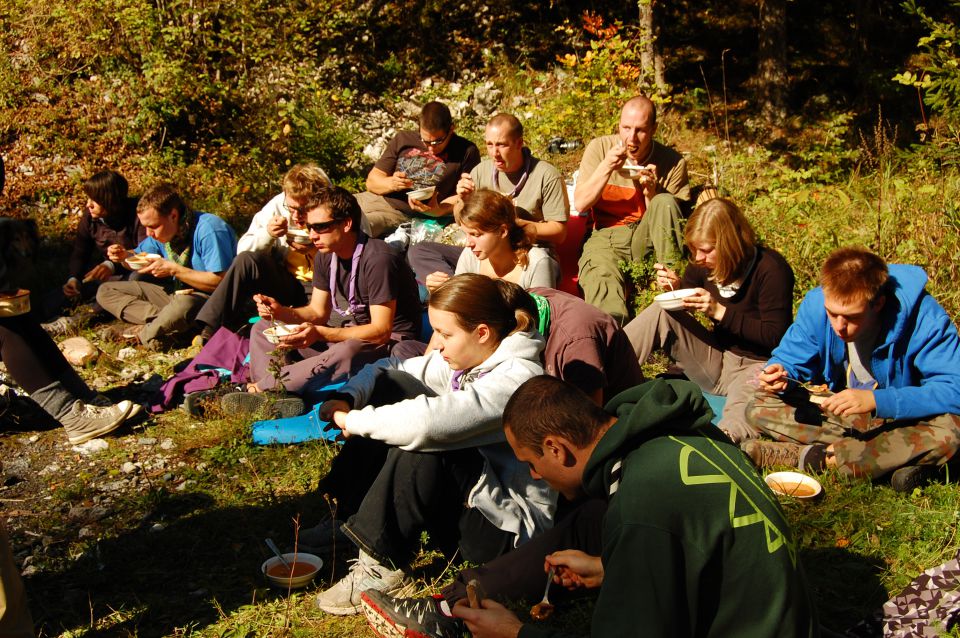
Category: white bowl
[298,236]
[140,260]
[422,194]
[631,171]
[673,299]
[14,303]
[273,333]
[278,576]
[794,484]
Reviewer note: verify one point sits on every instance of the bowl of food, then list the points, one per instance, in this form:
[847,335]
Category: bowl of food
[273,333]
[139,260]
[422,194]
[14,303]
[303,568]
[629,170]
[298,236]
[673,299]
[794,484]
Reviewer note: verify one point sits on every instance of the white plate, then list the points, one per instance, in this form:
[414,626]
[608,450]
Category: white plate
[794,484]
[273,333]
[673,299]
[422,194]
[631,171]
[139,261]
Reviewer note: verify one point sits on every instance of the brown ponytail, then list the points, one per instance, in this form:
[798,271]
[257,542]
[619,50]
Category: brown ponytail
[475,299]
[489,211]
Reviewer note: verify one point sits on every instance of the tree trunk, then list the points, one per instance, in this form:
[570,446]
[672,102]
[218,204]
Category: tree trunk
[772,61]
[651,59]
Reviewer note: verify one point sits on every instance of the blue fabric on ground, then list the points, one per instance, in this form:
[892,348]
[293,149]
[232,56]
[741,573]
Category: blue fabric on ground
[716,404]
[297,429]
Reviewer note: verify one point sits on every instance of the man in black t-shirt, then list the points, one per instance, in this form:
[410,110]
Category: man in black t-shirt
[362,280]
[433,156]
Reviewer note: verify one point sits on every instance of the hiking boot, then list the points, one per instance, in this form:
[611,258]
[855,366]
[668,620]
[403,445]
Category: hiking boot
[771,453]
[391,617]
[247,403]
[323,537]
[906,479]
[85,421]
[343,598]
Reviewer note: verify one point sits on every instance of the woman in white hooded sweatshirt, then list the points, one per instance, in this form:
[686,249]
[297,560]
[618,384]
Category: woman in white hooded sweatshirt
[425,449]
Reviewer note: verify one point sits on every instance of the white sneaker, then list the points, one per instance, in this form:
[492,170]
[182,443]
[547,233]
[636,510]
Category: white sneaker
[343,598]
[85,421]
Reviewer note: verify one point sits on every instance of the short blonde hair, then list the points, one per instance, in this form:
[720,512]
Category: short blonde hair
[303,181]
[720,223]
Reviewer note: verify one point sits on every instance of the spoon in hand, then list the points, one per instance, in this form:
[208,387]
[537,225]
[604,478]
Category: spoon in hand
[543,609]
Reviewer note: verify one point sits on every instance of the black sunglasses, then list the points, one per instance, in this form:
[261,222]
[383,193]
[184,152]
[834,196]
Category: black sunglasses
[433,143]
[323,227]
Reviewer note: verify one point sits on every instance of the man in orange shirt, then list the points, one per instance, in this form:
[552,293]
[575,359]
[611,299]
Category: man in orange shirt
[633,186]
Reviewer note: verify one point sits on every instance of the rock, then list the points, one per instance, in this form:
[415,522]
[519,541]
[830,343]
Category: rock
[183,486]
[86,532]
[147,440]
[50,469]
[127,353]
[167,444]
[157,527]
[78,351]
[129,468]
[91,446]
[486,99]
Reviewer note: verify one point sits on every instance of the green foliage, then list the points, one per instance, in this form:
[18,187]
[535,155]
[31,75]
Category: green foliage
[939,66]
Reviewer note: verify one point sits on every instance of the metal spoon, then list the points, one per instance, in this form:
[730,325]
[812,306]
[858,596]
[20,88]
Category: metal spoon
[273,548]
[543,609]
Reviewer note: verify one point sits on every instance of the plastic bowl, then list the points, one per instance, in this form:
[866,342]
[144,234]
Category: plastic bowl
[422,194]
[673,299]
[277,574]
[14,303]
[631,171]
[298,236]
[273,333]
[140,260]
[794,484]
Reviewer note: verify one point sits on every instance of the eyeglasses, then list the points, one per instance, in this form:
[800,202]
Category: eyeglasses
[296,210]
[323,227]
[434,143]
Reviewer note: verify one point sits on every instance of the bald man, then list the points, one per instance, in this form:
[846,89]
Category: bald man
[636,211]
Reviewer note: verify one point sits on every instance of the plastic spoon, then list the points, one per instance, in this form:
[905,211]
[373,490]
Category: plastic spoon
[543,609]
[273,548]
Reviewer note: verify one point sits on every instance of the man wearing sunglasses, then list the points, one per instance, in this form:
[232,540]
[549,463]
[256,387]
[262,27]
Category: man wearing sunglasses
[274,256]
[433,156]
[362,282]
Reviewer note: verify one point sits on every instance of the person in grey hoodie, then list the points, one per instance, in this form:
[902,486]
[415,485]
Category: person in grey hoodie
[425,448]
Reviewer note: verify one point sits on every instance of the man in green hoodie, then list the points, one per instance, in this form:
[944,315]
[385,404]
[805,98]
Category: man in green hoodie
[694,544]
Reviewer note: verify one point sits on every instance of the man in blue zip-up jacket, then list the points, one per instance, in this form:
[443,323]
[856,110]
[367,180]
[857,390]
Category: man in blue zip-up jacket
[891,357]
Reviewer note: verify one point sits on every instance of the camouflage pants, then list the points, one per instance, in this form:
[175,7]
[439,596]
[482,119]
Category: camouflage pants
[862,445]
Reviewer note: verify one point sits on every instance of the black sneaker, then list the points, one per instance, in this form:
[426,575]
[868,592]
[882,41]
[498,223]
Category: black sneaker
[323,537]
[907,478]
[391,617]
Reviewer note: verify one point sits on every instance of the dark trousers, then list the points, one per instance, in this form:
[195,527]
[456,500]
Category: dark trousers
[429,257]
[519,575]
[250,273]
[414,492]
[33,359]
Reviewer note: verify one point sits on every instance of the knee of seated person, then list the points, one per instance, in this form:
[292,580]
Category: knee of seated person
[664,204]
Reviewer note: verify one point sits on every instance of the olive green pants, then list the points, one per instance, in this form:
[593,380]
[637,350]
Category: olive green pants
[659,232]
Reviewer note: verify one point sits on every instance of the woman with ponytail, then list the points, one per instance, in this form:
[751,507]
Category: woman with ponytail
[425,448]
[498,247]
